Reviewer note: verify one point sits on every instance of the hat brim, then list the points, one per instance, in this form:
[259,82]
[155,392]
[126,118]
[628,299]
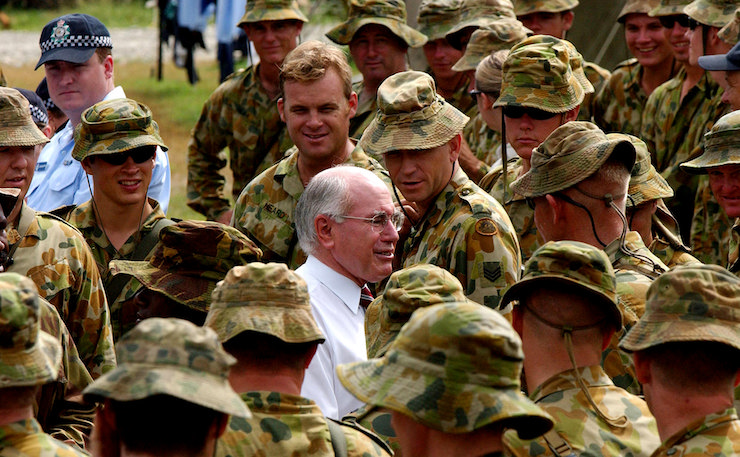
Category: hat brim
[387,383]
[66,54]
[133,381]
[717,62]
[292,325]
[83,149]
[647,333]
[273,15]
[25,135]
[343,33]
[650,187]
[33,366]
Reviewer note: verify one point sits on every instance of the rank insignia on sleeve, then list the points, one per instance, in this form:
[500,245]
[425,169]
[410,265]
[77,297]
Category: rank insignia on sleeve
[486,227]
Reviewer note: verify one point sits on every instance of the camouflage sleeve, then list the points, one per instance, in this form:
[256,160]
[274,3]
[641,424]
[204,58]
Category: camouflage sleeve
[378,421]
[206,159]
[710,227]
[362,442]
[649,127]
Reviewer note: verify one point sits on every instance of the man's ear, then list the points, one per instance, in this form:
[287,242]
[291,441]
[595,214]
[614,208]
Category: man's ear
[642,367]
[323,224]
[353,102]
[557,208]
[86,165]
[108,64]
[281,107]
[455,144]
[568,17]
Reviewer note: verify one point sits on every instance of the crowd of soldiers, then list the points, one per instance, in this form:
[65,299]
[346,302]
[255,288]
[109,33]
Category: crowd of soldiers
[513,253]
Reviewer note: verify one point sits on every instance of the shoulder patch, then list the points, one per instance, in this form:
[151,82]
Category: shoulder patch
[486,227]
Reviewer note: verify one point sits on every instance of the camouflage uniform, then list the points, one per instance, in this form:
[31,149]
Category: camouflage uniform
[719,150]
[734,256]
[667,244]
[273,300]
[672,316]
[618,106]
[730,33]
[31,357]
[618,423]
[430,375]
[264,210]
[56,257]
[483,141]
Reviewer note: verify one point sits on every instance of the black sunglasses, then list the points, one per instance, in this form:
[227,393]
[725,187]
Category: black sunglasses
[668,21]
[516,112]
[493,95]
[140,155]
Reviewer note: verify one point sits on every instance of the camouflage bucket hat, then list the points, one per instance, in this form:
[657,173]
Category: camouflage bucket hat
[16,125]
[646,184]
[575,265]
[437,17]
[721,146]
[189,259]
[28,355]
[266,298]
[114,126]
[537,74]
[168,356]
[571,153]
[714,13]
[575,60]
[407,290]
[478,13]
[689,303]
[730,33]
[669,8]
[388,13]
[523,7]
[501,34]
[411,116]
[454,367]
[271,10]
[636,7]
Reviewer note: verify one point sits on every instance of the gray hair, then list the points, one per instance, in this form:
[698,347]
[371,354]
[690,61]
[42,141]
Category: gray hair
[327,193]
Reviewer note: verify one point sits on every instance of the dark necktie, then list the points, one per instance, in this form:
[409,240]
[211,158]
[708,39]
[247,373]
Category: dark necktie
[366,297]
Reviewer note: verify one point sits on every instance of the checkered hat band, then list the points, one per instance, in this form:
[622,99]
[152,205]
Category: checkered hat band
[49,104]
[82,41]
[38,115]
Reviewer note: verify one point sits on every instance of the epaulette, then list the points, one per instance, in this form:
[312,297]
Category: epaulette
[63,212]
[627,63]
[354,425]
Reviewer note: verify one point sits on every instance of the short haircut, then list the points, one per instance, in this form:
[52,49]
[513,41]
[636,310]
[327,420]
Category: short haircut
[489,73]
[268,351]
[102,53]
[162,424]
[326,193]
[311,60]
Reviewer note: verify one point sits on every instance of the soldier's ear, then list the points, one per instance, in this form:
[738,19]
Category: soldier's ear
[642,367]
[281,107]
[86,164]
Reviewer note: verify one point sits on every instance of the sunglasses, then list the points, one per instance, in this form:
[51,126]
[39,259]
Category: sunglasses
[516,112]
[140,155]
[493,95]
[682,19]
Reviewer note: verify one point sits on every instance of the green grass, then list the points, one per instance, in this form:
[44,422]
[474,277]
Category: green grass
[114,14]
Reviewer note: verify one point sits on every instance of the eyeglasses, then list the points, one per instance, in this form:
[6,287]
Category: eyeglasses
[140,155]
[380,221]
[693,24]
[493,95]
[516,112]
[669,21]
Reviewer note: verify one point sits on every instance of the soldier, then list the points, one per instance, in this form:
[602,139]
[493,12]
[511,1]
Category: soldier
[29,357]
[48,250]
[77,60]
[679,111]
[687,355]
[116,142]
[451,381]
[646,211]
[530,115]
[178,277]
[314,76]
[555,18]
[378,40]
[262,315]
[567,313]
[475,14]
[721,162]
[452,223]
[407,290]
[242,112]
[618,106]
[169,395]
[578,186]
[347,223]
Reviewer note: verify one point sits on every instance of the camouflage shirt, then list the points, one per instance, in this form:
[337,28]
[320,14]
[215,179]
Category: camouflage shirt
[667,244]
[291,426]
[484,142]
[673,129]
[733,263]
[241,116]
[59,407]
[467,232]
[598,77]
[378,420]
[522,216]
[581,428]
[618,106]
[55,256]
[264,211]
[365,112]
[717,434]
[83,218]
[634,275]
[25,438]
[710,227]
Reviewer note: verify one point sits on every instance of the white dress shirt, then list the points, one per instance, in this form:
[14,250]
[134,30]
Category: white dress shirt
[335,302]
